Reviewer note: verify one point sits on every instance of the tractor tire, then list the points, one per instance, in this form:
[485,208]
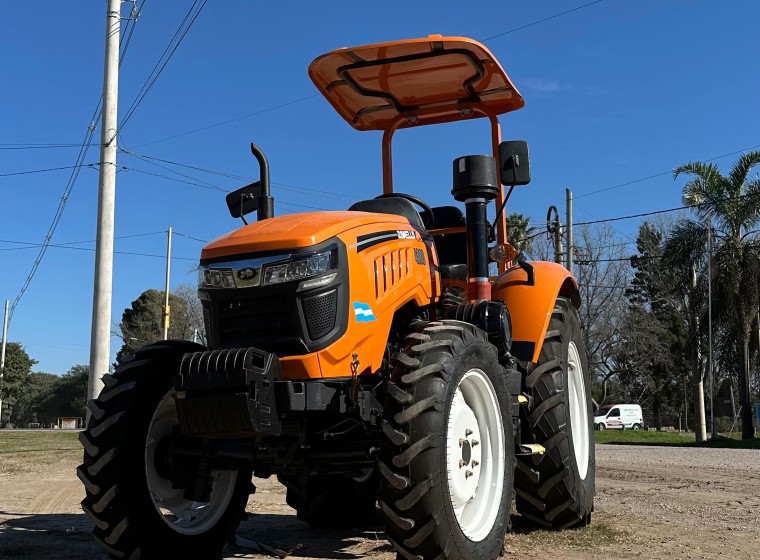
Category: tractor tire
[333,500]
[556,489]
[136,511]
[447,459]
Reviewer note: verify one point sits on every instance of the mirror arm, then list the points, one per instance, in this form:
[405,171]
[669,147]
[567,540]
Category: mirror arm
[504,202]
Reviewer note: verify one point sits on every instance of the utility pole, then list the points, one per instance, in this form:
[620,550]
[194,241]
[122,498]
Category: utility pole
[713,427]
[554,228]
[167,309]
[100,340]
[569,226]
[2,354]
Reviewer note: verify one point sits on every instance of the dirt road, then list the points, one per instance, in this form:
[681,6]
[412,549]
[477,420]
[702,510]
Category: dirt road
[652,503]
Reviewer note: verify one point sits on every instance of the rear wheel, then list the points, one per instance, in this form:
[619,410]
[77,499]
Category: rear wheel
[556,489]
[447,456]
[637,426]
[601,427]
[131,492]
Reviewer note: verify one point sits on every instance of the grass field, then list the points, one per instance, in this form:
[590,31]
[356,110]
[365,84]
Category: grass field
[641,437]
[21,450]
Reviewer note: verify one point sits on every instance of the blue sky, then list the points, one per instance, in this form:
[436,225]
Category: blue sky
[614,92]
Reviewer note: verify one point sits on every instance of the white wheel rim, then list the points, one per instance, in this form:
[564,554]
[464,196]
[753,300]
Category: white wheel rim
[578,413]
[183,516]
[475,455]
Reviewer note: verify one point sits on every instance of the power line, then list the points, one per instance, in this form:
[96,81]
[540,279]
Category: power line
[76,168]
[543,20]
[308,97]
[190,237]
[92,249]
[228,121]
[166,56]
[36,146]
[29,244]
[46,170]
[669,172]
[285,186]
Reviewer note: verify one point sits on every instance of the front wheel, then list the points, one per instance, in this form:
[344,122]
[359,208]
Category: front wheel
[447,457]
[133,494]
[556,489]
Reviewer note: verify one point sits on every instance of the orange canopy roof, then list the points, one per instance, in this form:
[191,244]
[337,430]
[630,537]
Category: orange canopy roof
[440,78]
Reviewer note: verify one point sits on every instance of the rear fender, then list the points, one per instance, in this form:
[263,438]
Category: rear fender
[530,306]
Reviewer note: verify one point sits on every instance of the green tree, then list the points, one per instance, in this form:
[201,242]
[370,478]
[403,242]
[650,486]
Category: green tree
[67,397]
[141,322]
[655,346]
[732,204]
[28,405]
[18,366]
[521,233]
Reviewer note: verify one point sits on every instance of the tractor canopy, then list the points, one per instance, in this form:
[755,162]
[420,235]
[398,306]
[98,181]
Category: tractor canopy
[414,82]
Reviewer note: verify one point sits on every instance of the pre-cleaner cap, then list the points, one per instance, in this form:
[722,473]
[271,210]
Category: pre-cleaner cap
[475,177]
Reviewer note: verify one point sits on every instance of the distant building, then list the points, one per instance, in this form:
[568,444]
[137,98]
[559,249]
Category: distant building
[69,423]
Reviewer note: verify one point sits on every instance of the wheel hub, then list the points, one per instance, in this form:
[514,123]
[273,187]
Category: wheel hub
[464,472]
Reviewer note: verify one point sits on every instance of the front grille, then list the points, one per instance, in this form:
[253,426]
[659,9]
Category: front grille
[244,320]
[320,312]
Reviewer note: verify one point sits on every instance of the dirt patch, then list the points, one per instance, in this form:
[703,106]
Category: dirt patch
[652,503]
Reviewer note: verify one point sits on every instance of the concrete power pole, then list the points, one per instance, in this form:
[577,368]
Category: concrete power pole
[167,310]
[100,340]
[2,354]
[569,226]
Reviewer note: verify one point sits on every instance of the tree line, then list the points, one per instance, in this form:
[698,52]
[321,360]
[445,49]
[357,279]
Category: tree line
[40,398]
[647,317]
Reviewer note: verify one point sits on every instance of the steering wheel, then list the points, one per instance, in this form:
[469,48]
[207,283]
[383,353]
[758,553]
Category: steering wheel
[427,220]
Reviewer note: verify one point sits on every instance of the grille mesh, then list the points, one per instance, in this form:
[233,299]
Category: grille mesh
[320,312]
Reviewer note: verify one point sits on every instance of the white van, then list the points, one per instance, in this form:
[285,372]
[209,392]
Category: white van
[619,416]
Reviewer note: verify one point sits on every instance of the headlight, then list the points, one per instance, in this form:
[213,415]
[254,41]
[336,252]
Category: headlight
[303,268]
[269,270]
[216,278]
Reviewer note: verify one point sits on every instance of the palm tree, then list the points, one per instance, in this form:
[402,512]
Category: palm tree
[521,233]
[732,204]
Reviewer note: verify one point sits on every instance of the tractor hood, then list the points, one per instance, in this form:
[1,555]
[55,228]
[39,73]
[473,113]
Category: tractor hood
[292,231]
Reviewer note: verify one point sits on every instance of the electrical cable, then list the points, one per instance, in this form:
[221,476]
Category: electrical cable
[46,170]
[542,20]
[669,172]
[84,148]
[171,48]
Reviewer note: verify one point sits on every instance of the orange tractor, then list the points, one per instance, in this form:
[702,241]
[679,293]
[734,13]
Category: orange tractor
[365,357]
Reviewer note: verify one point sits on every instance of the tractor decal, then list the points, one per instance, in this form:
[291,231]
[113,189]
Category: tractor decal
[363,312]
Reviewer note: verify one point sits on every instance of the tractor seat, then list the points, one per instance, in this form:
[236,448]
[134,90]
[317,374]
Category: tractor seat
[390,205]
[453,271]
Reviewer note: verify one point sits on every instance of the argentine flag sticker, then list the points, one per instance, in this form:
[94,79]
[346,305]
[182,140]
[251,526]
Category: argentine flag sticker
[363,312]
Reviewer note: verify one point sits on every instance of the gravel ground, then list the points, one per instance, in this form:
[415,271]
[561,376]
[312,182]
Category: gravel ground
[651,503]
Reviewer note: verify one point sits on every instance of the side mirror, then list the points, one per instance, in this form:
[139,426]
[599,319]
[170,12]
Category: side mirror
[514,163]
[244,201]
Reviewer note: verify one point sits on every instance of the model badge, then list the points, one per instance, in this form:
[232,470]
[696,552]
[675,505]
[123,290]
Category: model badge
[247,273]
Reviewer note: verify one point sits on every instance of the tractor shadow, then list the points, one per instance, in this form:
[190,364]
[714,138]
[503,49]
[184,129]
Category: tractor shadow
[286,534]
[69,537]
[59,536]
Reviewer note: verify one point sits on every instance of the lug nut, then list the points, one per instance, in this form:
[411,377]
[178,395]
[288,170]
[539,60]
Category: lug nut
[461,442]
[461,463]
[475,442]
[467,433]
[467,474]
[474,463]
